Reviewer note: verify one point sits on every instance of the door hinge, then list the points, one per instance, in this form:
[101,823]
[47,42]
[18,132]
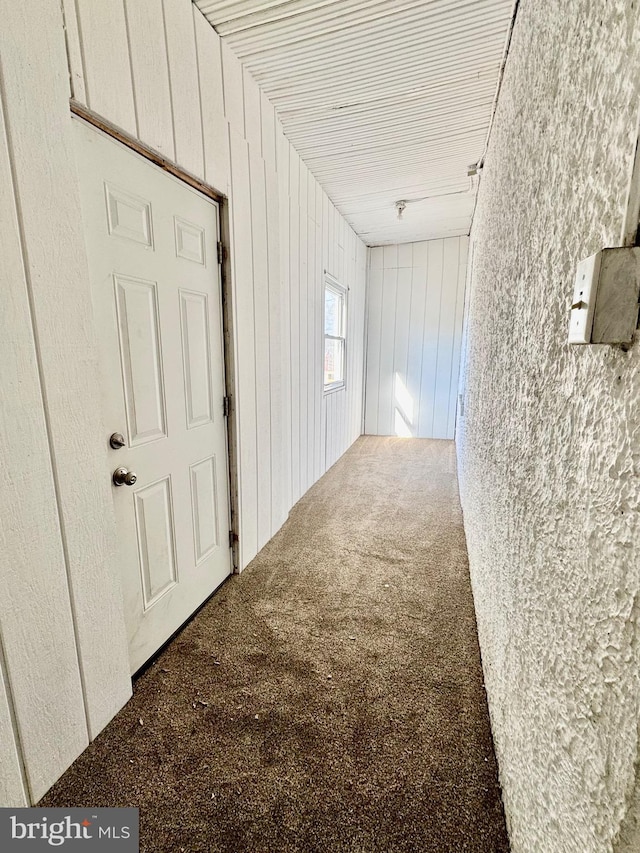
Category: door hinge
[220,252]
[226,406]
[233,538]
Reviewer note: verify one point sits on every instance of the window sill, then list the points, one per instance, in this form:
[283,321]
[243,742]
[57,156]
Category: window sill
[336,386]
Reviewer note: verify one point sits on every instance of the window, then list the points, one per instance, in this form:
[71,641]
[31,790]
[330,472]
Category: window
[335,324]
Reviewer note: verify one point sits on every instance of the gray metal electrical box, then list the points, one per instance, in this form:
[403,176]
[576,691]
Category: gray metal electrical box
[604,309]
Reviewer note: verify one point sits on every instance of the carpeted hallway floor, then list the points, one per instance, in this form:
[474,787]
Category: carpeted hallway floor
[329,699]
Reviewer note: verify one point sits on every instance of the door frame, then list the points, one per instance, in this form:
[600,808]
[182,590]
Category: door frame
[227,302]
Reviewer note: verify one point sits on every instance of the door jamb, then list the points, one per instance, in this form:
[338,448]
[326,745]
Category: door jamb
[227,302]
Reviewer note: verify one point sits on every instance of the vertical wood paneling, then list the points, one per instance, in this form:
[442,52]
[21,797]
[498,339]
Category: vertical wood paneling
[13,792]
[158,71]
[107,67]
[329,431]
[387,344]
[415,354]
[390,257]
[294,175]
[212,101]
[233,89]
[208,81]
[351,275]
[74,52]
[405,255]
[302,336]
[268,132]
[414,332]
[77,668]
[294,308]
[361,335]
[295,287]
[403,408]
[282,163]
[372,385]
[150,70]
[278,382]
[457,343]
[262,334]
[253,127]
[376,258]
[325,232]
[313,364]
[185,85]
[35,566]
[446,336]
[431,334]
[214,124]
[333,243]
[303,187]
[318,343]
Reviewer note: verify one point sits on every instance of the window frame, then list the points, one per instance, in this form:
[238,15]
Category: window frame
[332,284]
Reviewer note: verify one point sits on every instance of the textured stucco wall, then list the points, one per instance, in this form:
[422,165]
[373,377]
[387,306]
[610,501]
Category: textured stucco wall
[549,443]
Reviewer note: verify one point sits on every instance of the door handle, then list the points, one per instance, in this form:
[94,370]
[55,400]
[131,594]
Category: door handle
[123,477]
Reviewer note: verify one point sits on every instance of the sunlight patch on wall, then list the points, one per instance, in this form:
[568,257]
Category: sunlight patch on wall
[403,415]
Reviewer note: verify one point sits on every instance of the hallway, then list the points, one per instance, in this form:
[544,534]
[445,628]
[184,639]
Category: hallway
[328,699]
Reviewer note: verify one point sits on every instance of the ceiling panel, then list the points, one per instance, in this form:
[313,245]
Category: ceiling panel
[384,100]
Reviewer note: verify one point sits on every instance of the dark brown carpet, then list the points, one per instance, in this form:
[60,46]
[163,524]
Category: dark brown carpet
[328,699]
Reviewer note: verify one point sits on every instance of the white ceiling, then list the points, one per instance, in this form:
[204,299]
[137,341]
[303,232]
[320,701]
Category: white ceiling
[383,99]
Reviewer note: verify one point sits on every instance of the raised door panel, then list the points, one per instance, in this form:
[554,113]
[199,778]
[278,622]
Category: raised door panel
[156,542]
[189,241]
[140,357]
[204,503]
[194,313]
[128,216]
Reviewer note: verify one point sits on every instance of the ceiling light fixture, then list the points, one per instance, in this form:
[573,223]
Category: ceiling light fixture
[400,206]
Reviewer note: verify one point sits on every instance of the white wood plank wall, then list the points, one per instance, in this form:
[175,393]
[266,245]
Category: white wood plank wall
[63,652]
[182,91]
[414,332]
[159,71]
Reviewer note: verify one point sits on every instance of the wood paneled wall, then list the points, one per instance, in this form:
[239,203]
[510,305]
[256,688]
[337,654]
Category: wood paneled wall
[63,650]
[159,71]
[414,332]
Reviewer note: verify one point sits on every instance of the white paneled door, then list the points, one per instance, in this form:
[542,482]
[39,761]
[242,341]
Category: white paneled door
[155,280]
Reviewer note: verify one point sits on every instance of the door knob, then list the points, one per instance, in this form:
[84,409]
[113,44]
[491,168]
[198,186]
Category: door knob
[122,477]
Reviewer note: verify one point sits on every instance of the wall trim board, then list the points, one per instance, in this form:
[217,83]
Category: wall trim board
[229,340]
[146,151]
